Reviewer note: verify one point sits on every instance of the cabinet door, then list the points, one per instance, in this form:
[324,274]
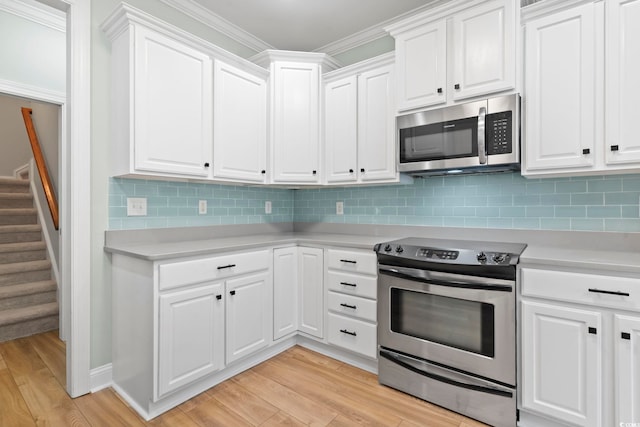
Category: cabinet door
[285,291]
[239,124]
[560,110]
[296,122]
[622,87]
[483,49]
[311,297]
[249,302]
[172,106]
[562,362]
[421,63]
[191,336]
[376,125]
[627,368]
[341,130]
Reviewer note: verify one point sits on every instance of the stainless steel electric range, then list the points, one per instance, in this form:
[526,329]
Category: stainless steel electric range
[447,324]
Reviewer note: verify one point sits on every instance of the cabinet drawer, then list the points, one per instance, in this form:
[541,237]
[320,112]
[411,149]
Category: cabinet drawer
[593,289]
[172,275]
[349,305]
[354,284]
[353,334]
[363,262]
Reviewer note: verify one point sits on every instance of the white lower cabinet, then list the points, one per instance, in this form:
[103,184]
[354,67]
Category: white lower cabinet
[248,314]
[285,291]
[351,300]
[562,362]
[627,362]
[190,335]
[580,348]
[311,288]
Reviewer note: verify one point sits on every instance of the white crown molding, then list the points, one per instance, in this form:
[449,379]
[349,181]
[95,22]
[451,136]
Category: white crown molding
[218,23]
[36,12]
[33,92]
[265,58]
[360,67]
[548,7]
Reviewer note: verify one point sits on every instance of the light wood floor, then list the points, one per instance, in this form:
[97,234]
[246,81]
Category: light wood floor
[296,388]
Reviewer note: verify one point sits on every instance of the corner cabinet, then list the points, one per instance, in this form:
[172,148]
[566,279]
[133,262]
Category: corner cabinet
[295,114]
[580,348]
[161,105]
[240,124]
[311,291]
[359,123]
[573,124]
[454,52]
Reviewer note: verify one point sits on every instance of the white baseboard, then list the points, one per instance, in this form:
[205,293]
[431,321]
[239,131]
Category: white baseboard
[100,377]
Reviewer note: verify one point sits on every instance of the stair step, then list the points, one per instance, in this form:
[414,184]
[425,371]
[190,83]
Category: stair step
[21,252]
[26,294]
[18,216]
[25,321]
[16,200]
[12,185]
[20,233]
[24,272]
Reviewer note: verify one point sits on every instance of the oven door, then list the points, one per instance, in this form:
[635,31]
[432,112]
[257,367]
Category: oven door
[464,322]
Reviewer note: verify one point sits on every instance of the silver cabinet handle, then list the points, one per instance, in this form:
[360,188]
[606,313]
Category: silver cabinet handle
[482,149]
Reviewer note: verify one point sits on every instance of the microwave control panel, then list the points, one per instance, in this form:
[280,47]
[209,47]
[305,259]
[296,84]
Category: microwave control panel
[498,131]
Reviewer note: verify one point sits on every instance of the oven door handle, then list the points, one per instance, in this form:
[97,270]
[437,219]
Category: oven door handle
[447,377]
[447,279]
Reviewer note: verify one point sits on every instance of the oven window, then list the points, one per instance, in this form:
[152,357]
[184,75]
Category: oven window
[438,141]
[463,324]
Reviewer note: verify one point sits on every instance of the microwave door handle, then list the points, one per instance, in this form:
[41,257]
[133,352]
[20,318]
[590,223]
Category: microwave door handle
[482,149]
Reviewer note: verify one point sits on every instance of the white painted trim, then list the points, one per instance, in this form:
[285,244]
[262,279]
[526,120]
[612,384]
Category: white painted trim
[218,23]
[22,169]
[548,7]
[32,92]
[76,189]
[359,67]
[36,191]
[101,377]
[36,12]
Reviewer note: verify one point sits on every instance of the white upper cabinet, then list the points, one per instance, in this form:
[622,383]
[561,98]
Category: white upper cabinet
[359,123]
[622,87]
[421,60]
[484,49]
[376,125]
[239,124]
[581,88]
[455,52]
[560,108]
[161,105]
[341,130]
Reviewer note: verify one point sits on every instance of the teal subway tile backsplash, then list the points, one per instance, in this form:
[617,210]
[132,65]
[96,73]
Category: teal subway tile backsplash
[175,204]
[504,200]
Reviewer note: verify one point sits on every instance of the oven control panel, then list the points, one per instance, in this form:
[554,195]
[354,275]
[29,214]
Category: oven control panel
[437,253]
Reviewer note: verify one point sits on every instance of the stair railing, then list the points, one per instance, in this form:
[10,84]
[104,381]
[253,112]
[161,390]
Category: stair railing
[41,165]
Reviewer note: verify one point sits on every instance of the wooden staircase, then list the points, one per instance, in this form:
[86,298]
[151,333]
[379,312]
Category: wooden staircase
[27,293]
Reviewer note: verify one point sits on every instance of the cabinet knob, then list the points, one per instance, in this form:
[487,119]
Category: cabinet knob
[586,151]
[439,90]
[263,171]
[614,148]
[314,172]
[206,165]
[232,292]
[456,86]
[218,297]
[350,170]
[593,331]
[361,170]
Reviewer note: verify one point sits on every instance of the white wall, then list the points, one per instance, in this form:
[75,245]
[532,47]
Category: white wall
[31,53]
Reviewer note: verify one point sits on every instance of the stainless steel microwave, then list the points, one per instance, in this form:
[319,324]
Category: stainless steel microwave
[479,136]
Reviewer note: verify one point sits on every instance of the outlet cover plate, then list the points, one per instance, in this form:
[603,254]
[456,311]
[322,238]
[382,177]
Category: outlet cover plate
[202,207]
[267,207]
[136,206]
[339,208]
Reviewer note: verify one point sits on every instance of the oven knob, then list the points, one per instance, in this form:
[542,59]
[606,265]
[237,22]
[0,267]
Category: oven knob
[482,257]
[387,248]
[399,249]
[499,258]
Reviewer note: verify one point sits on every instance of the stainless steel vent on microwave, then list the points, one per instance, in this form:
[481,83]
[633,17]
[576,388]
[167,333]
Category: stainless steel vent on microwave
[479,136]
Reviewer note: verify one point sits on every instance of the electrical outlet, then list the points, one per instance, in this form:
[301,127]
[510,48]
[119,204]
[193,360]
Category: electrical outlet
[136,206]
[202,207]
[267,207]
[339,208]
